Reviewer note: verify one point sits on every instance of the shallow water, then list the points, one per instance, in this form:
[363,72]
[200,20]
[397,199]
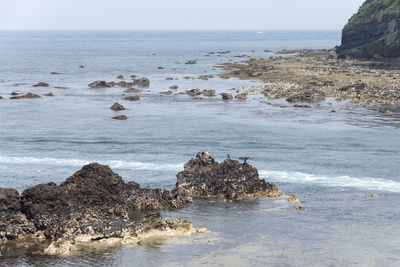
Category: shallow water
[330,160]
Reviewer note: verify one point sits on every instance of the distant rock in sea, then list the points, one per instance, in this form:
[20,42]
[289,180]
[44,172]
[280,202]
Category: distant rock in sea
[373,32]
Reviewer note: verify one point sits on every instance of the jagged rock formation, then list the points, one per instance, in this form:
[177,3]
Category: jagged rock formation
[95,203]
[203,177]
[373,32]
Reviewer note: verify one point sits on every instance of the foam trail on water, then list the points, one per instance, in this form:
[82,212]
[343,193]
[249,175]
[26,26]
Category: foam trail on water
[117,164]
[339,181]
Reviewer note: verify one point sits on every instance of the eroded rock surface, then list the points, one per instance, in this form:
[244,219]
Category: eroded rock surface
[203,177]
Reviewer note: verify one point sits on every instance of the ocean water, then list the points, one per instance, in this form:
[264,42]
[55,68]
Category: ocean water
[329,160]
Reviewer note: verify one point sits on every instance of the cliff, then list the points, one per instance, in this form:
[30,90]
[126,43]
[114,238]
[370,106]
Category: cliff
[373,32]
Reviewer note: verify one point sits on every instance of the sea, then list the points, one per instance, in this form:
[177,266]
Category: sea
[330,160]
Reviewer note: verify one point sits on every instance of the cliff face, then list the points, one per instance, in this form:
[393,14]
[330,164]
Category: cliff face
[374,32]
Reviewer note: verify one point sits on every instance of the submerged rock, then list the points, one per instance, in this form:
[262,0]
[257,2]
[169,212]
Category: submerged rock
[41,84]
[132,98]
[203,177]
[132,90]
[190,62]
[120,117]
[28,95]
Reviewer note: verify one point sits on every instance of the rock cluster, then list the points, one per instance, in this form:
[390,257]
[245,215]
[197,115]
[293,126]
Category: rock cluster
[143,82]
[28,95]
[97,204]
[203,177]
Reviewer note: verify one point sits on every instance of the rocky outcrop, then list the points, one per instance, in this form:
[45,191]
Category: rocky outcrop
[93,204]
[374,32]
[203,177]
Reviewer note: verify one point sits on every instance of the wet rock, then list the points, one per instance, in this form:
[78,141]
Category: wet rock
[371,195]
[307,96]
[193,92]
[100,84]
[301,106]
[161,68]
[81,66]
[120,117]
[203,177]
[117,106]
[190,62]
[41,84]
[242,96]
[385,111]
[120,77]
[1,97]
[60,87]
[174,87]
[133,76]
[49,94]
[226,96]
[209,92]
[14,93]
[28,95]
[169,92]
[13,223]
[54,72]
[293,199]
[143,82]
[169,78]
[132,90]
[300,207]
[132,98]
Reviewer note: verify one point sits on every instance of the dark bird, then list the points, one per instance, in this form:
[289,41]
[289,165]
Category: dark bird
[245,159]
[228,156]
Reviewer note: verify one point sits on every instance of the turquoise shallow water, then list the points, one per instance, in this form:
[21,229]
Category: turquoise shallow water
[330,160]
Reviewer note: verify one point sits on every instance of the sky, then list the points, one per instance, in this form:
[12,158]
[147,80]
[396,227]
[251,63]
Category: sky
[176,14]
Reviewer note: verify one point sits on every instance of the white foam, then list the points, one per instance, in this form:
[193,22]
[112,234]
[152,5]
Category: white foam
[117,164]
[339,181]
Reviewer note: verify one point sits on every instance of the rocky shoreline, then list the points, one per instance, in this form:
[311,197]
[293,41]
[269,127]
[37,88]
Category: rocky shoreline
[313,75]
[97,205]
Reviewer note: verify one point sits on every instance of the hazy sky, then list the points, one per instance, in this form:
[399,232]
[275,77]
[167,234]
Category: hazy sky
[176,14]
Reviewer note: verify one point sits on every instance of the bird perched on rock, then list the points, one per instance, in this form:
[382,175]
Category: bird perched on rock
[228,156]
[245,159]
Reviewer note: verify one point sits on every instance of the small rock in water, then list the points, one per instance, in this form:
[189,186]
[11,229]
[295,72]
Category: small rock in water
[226,96]
[385,111]
[120,77]
[209,92]
[120,117]
[117,106]
[301,106]
[191,62]
[242,96]
[193,92]
[169,92]
[300,207]
[371,195]
[49,94]
[161,68]
[132,90]
[41,84]
[174,87]
[55,72]
[28,95]
[14,93]
[293,199]
[132,98]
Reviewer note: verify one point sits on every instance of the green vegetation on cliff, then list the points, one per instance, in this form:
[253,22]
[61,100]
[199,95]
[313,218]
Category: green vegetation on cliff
[372,9]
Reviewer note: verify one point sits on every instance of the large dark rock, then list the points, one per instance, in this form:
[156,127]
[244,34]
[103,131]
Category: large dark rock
[13,223]
[91,196]
[203,177]
[374,32]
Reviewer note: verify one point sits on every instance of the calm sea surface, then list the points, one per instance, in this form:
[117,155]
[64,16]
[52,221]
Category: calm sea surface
[329,160]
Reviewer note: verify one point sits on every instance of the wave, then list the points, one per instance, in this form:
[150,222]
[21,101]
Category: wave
[337,181]
[117,164]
